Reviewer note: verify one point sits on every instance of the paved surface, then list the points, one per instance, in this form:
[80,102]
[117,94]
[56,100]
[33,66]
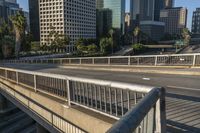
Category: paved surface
[183,92]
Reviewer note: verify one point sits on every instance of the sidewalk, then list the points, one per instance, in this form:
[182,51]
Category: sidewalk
[135,69]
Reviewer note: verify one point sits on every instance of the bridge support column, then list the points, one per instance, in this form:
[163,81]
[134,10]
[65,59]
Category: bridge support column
[41,129]
[3,102]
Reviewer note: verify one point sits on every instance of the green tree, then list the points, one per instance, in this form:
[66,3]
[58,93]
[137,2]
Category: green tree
[106,45]
[7,45]
[19,24]
[186,36]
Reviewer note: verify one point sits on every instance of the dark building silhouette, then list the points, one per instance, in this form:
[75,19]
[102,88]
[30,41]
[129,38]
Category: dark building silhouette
[34,19]
[196,21]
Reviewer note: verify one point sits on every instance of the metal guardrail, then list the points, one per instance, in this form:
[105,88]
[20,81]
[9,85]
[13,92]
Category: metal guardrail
[54,120]
[147,60]
[113,99]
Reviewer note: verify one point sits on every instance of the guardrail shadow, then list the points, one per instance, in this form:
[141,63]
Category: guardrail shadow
[183,113]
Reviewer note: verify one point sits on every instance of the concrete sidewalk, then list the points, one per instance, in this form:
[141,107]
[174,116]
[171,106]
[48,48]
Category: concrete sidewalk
[145,69]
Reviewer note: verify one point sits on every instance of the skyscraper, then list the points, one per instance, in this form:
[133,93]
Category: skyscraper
[74,18]
[196,21]
[118,12]
[146,10]
[34,19]
[175,19]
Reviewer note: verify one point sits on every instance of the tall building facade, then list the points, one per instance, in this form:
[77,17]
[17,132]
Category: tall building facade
[175,19]
[8,8]
[118,12]
[196,21]
[146,10]
[34,19]
[103,22]
[74,18]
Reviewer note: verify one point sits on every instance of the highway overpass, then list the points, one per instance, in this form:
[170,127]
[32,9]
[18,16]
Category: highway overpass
[175,74]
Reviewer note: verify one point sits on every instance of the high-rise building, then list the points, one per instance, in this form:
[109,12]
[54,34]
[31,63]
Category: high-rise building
[103,22]
[8,8]
[196,21]
[74,18]
[118,12]
[153,29]
[146,14]
[175,19]
[146,10]
[34,19]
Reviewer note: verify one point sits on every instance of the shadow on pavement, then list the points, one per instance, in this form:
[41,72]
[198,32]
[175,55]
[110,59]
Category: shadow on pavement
[183,113]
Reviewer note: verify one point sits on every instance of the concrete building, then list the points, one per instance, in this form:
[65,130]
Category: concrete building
[103,22]
[153,29]
[75,18]
[196,22]
[34,19]
[118,12]
[175,19]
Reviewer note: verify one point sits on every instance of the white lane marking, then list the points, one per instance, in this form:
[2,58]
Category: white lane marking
[146,79]
[184,88]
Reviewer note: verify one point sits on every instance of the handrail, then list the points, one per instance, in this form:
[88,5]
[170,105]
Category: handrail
[110,98]
[150,60]
[132,120]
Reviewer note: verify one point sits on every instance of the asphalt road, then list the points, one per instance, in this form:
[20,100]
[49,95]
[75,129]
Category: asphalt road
[183,98]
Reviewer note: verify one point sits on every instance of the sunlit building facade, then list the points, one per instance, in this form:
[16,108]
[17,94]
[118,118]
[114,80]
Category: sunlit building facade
[74,18]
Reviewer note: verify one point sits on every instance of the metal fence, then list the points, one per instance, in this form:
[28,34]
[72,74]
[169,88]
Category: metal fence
[148,60]
[113,99]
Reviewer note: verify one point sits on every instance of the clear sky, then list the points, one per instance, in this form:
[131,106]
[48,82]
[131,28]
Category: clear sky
[190,4]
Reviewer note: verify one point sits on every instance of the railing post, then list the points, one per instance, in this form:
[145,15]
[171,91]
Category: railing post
[138,61]
[17,78]
[70,61]
[93,61]
[80,61]
[194,60]
[156,60]
[35,83]
[161,113]
[108,60]
[129,60]
[68,93]
[6,74]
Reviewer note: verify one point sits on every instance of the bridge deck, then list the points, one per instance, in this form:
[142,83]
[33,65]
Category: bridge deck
[183,100]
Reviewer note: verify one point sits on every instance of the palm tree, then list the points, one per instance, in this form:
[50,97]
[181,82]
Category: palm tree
[19,24]
[111,32]
[136,33]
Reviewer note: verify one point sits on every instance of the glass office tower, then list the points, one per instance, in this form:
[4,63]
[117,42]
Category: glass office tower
[118,12]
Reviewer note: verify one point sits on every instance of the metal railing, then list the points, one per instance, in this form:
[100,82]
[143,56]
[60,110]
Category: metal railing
[113,99]
[54,120]
[147,60]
